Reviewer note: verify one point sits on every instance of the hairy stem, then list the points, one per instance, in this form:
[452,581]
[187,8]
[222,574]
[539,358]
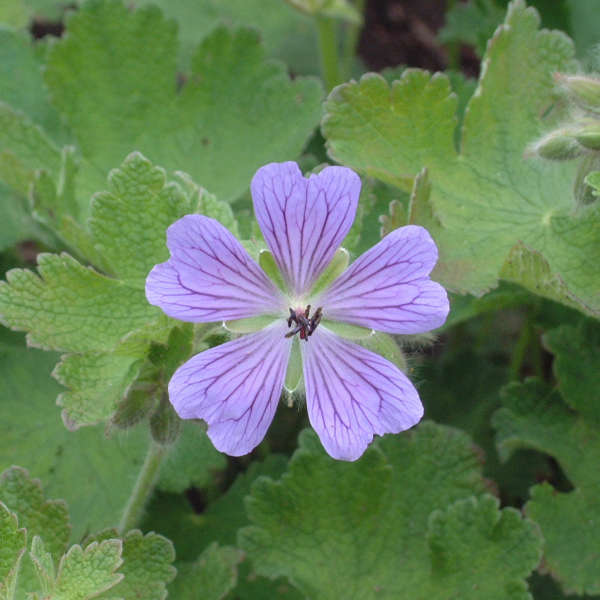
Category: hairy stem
[143,487]
[328,51]
[520,350]
[351,41]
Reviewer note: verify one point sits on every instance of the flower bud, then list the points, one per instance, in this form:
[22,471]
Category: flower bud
[584,90]
[589,135]
[165,425]
[558,145]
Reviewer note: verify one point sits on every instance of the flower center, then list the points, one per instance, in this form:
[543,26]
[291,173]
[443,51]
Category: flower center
[304,323]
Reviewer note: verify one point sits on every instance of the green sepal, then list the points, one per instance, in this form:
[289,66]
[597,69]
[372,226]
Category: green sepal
[133,408]
[558,145]
[593,181]
[589,135]
[585,91]
[165,424]
[251,324]
[345,330]
[293,375]
[338,264]
[267,262]
[385,345]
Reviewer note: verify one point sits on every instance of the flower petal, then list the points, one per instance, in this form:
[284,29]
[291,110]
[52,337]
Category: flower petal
[235,388]
[353,393]
[304,220]
[387,288]
[210,276]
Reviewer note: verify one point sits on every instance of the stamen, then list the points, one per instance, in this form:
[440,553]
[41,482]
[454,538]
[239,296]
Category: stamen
[305,324]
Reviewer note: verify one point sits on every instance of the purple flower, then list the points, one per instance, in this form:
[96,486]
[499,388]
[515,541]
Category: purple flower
[351,392]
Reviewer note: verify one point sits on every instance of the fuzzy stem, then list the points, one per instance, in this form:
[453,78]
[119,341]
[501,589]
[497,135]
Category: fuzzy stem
[351,41]
[143,487]
[328,51]
[519,352]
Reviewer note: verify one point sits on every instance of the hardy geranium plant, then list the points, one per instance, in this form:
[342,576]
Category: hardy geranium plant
[351,392]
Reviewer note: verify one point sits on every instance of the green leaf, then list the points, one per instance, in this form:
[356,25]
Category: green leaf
[43,564]
[191,461]
[471,23]
[129,221]
[512,550]
[22,84]
[359,530]
[287,34]
[577,366]
[220,127]
[97,381]
[225,516]
[71,307]
[534,416]
[47,518]
[25,149]
[593,180]
[75,308]
[11,550]
[487,199]
[146,566]
[93,473]
[210,577]
[84,574]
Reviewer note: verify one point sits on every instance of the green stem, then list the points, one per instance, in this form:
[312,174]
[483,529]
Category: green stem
[351,41]
[328,52]
[143,487]
[518,355]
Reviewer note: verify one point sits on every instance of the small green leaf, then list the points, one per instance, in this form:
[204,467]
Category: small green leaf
[97,382]
[512,550]
[146,567]
[84,574]
[593,180]
[44,566]
[191,461]
[25,148]
[129,221]
[11,551]
[210,577]
[47,518]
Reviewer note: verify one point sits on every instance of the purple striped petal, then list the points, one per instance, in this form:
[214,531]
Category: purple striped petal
[304,220]
[388,287]
[353,393]
[235,388]
[210,276]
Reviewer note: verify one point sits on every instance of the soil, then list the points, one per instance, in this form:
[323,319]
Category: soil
[404,32]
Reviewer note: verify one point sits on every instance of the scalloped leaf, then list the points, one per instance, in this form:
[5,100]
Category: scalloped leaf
[487,198]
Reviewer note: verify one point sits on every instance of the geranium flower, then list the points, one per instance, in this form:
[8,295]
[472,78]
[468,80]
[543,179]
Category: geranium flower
[351,392]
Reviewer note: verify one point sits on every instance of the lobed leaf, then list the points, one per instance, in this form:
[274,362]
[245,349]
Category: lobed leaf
[361,530]
[535,416]
[487,198]
[210,577]
[220,127]
[85,573]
